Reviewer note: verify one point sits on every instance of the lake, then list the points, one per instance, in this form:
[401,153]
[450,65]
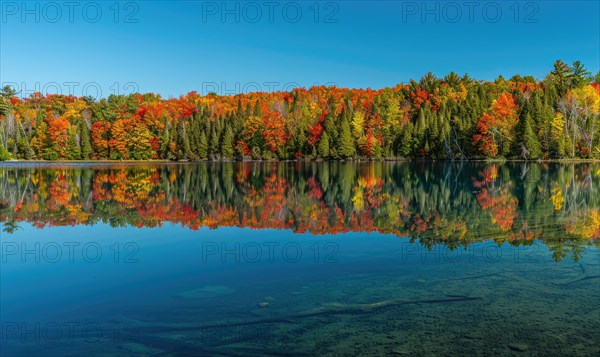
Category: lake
[299,258]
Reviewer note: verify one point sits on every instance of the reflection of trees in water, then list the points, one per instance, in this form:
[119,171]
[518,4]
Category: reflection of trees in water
[451,203]
[10,226]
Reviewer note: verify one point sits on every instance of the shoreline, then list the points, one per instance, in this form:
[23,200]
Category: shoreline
[10,163]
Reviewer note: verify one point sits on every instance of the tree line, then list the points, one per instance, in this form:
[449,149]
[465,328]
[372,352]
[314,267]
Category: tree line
[454,117]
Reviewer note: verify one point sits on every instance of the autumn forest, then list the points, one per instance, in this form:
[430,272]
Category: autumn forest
[455,117]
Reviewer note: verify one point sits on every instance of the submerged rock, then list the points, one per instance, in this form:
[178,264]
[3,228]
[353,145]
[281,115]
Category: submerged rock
[139,349]
[209,291]
[519,347]
[401,352]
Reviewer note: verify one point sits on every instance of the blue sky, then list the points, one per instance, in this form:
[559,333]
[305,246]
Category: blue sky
[179,46]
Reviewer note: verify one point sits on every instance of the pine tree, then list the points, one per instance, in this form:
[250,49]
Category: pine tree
[193,133]
[213,143]
[164,143]
[203,146]
[4,154]
[179,142]
[186,141]
[530,142]
[407,141]
[561,150]
[301,142]
[323,147]
[238,119]
[227,143]
[346,148]
[248,111]
[330,126]
[86,146]
[561,76]
[421,126]
[73,152]
[257,109]
[581,75]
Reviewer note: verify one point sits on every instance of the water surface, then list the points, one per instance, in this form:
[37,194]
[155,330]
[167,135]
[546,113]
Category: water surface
[248,259]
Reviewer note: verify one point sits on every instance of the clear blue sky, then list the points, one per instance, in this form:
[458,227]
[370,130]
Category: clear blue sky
[178,46]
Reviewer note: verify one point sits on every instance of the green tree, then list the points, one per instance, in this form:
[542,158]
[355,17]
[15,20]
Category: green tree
[187,148]
[406,141]
[5,94]
[561,76]
[346,148]
[73,152]
[165,140]
[86,146]
[138,143]
[531,145]
[213,144]
[580,76]
[4,154]
[203,146]
[227,143]
[323,147]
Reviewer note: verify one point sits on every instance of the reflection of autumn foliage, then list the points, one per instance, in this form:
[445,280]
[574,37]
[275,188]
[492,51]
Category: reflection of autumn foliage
[330,200]
[557,198]
[498,201]
[58,192]
[315,189]
[586,225]
[502,206]
[489,175]
[524,234]
[418,224]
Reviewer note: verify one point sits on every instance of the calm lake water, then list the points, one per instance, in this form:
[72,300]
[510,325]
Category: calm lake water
[251,259]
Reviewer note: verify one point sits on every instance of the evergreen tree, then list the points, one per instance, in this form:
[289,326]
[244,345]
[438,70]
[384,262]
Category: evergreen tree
[323,147]
[561,76]
[50,153]
[580,75]
[300,142]
[248,111]
[561,150]
[86,146]
[421,125]
[227,143]
[186,141]
[73,151]
[530,142]
[257,110]
[213,143]
[202,146]
[179,142]
[346,148]
[406,141]
[4,154]
[165,141]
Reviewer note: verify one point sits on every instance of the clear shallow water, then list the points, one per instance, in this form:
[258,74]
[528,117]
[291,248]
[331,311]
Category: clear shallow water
[300,259]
